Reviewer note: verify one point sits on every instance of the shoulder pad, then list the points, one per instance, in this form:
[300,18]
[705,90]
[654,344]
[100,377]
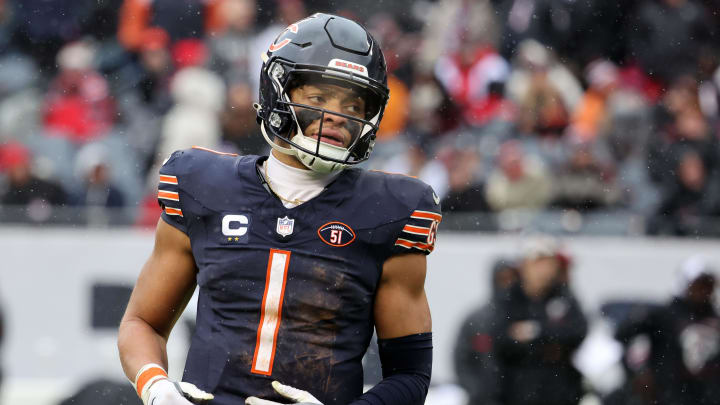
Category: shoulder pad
[407,204]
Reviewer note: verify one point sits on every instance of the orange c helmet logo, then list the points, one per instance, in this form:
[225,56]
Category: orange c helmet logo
[292,28]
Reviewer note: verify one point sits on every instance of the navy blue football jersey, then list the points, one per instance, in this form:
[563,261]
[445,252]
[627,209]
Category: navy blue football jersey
[287,293]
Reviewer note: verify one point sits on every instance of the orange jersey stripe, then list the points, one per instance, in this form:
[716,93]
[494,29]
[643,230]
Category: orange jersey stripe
[416,230]
[214,151]
[146,376]
[426,215]
[169,195]
[173,211]
[168,179]
[410,244]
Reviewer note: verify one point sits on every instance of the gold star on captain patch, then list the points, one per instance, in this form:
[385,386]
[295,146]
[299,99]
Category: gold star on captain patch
[237,239]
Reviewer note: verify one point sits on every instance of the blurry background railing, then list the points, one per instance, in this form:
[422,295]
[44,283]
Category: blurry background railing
[44,215]
[557,222]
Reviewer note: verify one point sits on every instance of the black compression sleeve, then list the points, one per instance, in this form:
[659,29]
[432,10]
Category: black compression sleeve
[406,365]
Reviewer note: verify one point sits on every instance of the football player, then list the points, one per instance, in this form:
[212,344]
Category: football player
[297,255]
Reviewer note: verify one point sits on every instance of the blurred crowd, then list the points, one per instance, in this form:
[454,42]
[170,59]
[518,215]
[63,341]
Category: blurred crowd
[503,106]
[530,342]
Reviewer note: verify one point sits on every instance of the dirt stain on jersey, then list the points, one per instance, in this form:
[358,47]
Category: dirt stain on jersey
[312,317]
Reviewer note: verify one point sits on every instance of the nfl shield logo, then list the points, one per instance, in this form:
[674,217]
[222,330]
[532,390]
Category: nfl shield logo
[285,226]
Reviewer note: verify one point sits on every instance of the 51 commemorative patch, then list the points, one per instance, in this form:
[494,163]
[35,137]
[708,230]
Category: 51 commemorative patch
[336,234]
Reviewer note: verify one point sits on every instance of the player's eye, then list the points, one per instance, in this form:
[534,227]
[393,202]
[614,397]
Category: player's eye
[355,109]
[316,99]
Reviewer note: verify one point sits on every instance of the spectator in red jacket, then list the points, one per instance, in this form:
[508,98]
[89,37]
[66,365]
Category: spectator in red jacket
[78,104]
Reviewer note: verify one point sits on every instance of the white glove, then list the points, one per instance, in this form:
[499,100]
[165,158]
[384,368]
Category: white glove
[299,397]
[166,392]
[154,388]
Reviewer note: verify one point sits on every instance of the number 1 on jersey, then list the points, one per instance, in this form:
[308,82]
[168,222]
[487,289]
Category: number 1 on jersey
[271,312]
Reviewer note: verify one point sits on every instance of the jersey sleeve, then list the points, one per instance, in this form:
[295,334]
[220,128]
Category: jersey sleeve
[169,194]
[419,230]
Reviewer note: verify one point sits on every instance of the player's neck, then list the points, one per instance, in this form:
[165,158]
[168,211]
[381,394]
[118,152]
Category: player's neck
[293,185]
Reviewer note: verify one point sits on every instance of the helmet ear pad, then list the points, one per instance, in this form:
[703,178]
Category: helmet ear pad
[275,114]
[286,121]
